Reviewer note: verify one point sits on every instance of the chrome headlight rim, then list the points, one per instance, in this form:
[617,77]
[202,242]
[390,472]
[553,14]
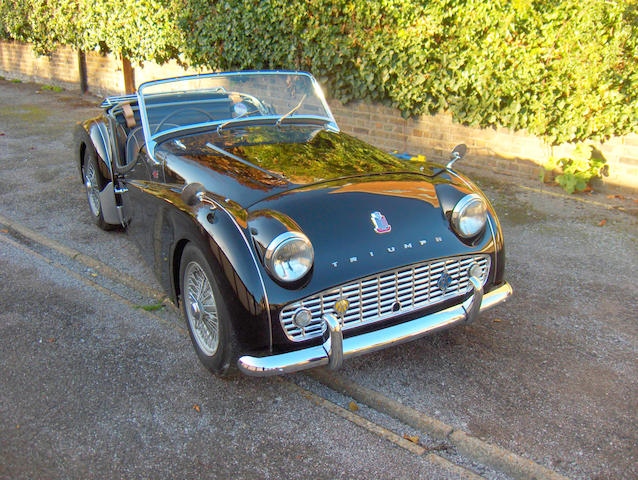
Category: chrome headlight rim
[460,210]
[281,241]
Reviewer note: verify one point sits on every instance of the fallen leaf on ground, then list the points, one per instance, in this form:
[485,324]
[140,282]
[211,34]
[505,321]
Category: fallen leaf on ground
[4,230]
[602,223]
[196,408]
[411,439]
[497,320]
[619,197]
[441,447]
[353,406]
[51,340]
[588,189]
[94,274]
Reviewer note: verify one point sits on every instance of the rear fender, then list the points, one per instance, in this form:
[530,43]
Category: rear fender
[94,134]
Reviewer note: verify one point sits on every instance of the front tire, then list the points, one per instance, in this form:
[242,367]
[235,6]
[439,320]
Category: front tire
[206,314]
[94,183]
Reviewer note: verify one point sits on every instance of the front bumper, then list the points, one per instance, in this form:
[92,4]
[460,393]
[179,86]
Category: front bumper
[334,348]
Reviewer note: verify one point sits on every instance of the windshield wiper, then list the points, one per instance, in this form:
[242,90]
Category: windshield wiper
[281,119]
[222,125]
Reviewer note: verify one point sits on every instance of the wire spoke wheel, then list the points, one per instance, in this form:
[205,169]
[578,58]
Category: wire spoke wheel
[92,188]
[201,309]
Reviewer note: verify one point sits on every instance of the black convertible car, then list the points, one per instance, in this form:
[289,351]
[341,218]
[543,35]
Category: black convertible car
[287,243]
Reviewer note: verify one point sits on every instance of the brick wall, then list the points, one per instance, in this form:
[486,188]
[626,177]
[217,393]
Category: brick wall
[498,150]
[19,58]
[495,149]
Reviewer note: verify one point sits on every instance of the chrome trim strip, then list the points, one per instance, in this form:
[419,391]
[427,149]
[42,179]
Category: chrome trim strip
[368,342]
[150,144]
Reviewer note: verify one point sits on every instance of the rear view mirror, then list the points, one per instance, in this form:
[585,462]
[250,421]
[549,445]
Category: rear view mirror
[457,154]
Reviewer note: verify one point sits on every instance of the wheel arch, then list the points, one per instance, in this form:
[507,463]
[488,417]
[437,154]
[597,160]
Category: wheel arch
[81,159]
[176,262]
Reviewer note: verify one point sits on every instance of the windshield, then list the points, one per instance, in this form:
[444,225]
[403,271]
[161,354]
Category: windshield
[227,98]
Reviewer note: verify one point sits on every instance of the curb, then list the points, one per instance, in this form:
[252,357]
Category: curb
[380,431]
[494,456]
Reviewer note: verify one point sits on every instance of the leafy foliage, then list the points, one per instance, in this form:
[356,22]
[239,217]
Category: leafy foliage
[577,169]
[139,30]
[565,70]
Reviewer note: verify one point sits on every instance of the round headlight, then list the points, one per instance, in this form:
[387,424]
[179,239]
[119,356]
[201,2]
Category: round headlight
[469,215]
[289,256]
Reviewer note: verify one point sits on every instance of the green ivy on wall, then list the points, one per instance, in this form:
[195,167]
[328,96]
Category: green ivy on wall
[565,70]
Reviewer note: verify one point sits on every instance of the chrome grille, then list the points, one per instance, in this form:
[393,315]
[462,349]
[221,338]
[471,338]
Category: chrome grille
[387,294]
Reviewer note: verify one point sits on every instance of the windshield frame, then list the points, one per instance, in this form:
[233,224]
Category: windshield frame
[152,139]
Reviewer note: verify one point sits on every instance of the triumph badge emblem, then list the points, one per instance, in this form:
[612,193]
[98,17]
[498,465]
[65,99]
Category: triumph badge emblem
[381,225]
[341,306]
[444,281]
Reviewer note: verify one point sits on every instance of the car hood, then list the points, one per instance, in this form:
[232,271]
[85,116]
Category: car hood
[250,164]
[327,185]
[337,217]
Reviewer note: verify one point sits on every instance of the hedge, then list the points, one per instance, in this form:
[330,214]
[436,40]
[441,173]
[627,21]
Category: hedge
[563,70]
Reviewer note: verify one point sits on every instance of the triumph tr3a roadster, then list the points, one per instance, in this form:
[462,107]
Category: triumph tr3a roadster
[287,243]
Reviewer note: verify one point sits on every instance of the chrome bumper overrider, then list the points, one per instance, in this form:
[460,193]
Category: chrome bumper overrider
[335,348]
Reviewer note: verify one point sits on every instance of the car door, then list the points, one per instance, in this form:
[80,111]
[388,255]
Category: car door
[139,182]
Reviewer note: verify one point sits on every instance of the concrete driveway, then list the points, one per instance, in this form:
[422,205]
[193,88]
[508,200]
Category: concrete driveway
[91,385]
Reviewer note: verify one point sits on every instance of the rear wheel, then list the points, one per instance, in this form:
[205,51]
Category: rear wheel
[206,314]
[94,183]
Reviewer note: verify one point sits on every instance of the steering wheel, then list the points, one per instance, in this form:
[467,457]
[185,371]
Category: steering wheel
[175,112]
[254,102]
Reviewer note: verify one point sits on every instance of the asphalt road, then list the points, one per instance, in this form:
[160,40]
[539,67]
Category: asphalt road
[92,387]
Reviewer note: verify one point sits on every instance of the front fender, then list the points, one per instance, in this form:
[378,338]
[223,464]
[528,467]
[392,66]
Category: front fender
[232,259]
